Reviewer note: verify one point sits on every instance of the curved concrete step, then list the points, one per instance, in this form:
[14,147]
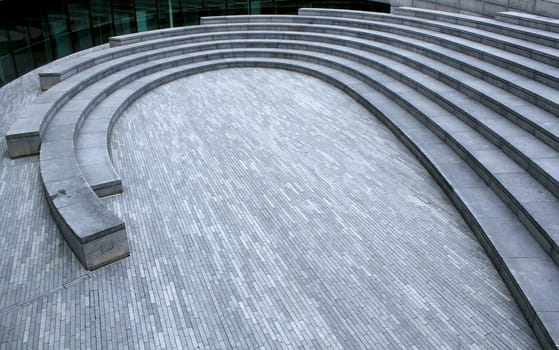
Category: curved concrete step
[529,20]
[544,50]
[95,234]
[526,66]
[533,35]
[144,40]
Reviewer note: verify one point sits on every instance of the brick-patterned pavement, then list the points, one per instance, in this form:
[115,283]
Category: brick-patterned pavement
[264,209]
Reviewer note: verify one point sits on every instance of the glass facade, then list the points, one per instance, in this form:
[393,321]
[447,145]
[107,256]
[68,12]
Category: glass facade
[34,32]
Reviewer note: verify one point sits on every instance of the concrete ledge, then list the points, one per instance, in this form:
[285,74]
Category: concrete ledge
[529,20]
[96,236]
[418,18]
[510,56]
[542,37]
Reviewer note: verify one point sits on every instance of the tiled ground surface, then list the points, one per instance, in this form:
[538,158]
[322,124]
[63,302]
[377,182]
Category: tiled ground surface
[264,210]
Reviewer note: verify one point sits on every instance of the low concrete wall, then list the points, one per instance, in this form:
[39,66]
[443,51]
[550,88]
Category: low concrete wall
[549,8]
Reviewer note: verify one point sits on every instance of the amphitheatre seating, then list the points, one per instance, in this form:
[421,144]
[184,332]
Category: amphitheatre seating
[511,31]
[476,100]
[529,20]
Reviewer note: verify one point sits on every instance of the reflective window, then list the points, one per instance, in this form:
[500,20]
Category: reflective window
[124,17]
[80,24]
[101,21]
[35,32]
[7,68]
[146,15]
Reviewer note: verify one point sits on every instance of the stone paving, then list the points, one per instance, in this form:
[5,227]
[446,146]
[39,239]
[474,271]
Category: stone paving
[264,209]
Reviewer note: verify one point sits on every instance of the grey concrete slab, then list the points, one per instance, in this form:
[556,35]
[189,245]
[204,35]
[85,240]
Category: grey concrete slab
[485,204]
[496,161]
[539,279]
[460,175]
[545,216]
[529,20]
[89,219]
[69,191]
[525,188]
[511,239]
[484,23]
[55,169]
[548,320]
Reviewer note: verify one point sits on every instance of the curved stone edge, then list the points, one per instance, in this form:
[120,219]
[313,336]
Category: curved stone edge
[145,84]
[529,20]
[395,24]
[460,27]
[96,235]
[148,40]
[542,37]
[512,249]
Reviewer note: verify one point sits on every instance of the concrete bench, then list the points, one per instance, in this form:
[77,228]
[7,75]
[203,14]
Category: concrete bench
[529,20]
[95,234]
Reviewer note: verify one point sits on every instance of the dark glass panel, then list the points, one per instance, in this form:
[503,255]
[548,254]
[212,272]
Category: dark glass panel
[58,19]
[42,52]
[163,13]
[287,7]
[262,7]
[62,45]
[4,42]
[215,8]
[124,17]
[189,12]
[7,69]
[80,24]
[102,21]
[17,36]
[146,15]
[24,60]
[102,33]
[237,7]
[37,21]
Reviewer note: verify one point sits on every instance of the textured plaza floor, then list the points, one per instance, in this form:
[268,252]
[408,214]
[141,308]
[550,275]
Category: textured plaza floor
[265,209]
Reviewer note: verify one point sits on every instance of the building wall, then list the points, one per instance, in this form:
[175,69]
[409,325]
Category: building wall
[549,8]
